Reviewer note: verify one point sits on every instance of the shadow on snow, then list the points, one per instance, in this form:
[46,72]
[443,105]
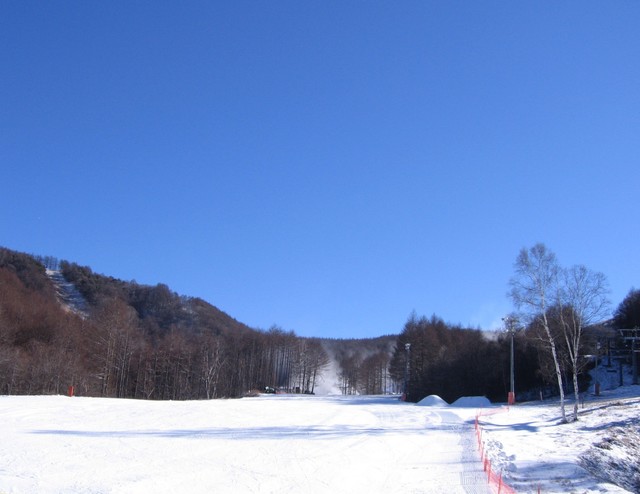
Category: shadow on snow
[266,433]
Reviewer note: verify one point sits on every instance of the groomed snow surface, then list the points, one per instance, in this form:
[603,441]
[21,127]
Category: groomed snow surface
[268,444]
[306,444]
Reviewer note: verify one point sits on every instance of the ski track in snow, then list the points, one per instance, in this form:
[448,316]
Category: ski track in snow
[275,444]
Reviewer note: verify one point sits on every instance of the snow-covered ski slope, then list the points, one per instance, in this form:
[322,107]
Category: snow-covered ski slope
[313,444]
[68,295]
[277,444]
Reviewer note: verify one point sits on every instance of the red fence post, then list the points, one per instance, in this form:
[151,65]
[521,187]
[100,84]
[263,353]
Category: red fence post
[71,391]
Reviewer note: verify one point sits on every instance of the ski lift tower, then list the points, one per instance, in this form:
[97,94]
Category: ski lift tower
[633,336]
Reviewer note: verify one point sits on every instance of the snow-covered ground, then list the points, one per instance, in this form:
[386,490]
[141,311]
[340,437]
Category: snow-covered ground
[275,444]
[534,449]
[310,444]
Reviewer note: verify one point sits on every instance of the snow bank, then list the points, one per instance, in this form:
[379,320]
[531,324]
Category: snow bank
[432,401]
[472,402]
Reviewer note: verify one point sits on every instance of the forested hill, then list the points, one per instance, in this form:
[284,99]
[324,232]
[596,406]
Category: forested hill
[140,341]
[143,341]
[158,308]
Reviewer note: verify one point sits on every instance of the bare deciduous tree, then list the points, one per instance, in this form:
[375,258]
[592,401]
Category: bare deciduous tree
[582,302]
[534,291]
[564,302]
[213,358]
[114,343]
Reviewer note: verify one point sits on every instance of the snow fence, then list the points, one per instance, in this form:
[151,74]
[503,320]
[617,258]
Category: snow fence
[493,477]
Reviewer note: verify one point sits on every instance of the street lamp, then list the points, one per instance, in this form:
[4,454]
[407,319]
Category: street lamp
[511,326]
[407,349]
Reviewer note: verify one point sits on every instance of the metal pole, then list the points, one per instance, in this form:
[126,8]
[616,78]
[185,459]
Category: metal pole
[513,379]
[620,379]
[510,326]
[597,386]
[407,348]
[634,361]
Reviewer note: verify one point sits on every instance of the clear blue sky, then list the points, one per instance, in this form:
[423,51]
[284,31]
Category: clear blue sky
[328,167]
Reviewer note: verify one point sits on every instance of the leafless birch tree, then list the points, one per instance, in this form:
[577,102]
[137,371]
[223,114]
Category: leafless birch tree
[582,302]
[534,290]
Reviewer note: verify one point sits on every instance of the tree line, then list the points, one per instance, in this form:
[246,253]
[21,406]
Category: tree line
[141,341]
[560,324]
[137,342]
[363,365]
[452,361]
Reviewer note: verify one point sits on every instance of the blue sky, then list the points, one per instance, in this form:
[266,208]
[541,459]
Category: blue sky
[327,167]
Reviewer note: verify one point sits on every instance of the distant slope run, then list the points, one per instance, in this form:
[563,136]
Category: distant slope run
[68,295]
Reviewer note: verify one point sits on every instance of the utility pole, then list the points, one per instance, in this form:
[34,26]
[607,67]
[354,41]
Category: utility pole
[407,349]
[510,324]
